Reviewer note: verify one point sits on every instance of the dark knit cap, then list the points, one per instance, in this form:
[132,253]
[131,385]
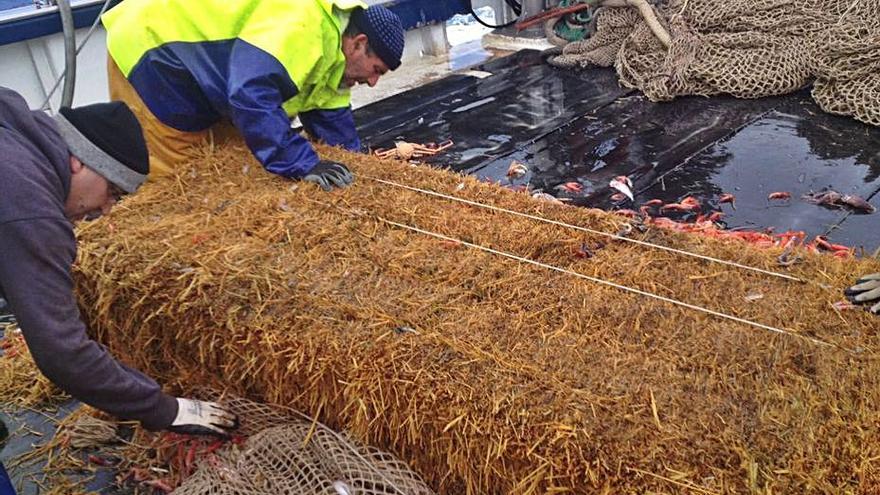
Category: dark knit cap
[108,139]
[384,30]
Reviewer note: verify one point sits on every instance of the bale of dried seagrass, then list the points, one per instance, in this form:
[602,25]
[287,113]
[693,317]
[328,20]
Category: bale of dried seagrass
[485,371]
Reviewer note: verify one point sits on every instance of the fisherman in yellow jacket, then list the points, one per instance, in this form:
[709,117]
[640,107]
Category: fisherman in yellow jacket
[189,68]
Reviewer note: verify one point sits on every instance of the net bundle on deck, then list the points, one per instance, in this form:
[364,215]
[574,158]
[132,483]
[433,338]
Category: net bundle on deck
[287,452]
[746,48]
[477,345]
[277,451]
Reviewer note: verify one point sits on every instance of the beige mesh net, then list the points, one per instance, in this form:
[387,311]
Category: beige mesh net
[288,453]
[277,450]
[746,48]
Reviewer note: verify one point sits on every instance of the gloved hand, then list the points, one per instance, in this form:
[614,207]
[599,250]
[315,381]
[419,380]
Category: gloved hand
[866,291]
[195,417]
[328,174]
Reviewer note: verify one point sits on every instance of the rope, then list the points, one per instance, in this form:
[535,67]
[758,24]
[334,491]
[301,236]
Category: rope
[609,284]
[61,77]
[588,230]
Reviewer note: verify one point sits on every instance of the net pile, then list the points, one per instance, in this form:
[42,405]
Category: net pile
[275,450]
[287,452]
[746,48]
[488,374]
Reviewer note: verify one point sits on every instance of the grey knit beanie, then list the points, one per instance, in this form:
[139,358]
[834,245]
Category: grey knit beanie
[108,139]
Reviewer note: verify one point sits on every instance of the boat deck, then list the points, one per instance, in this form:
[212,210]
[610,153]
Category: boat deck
[583,127]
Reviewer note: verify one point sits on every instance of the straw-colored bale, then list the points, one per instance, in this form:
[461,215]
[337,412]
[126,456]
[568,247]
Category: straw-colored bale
[516,378]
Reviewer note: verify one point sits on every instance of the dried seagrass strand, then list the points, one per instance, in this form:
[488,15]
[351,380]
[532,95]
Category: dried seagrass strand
[588,230]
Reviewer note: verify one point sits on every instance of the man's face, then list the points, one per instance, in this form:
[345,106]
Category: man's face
[91,195]
[362,66]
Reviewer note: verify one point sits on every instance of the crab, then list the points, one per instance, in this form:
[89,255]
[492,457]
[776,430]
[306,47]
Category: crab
[403,150]
[687,204]
[714,217]
[727,198]
[779,195]
[572,187]
[839,250]
[516,170]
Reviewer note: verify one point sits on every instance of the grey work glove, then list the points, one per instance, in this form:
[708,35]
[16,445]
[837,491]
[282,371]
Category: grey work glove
[329,174]
[866,291]
[195,417]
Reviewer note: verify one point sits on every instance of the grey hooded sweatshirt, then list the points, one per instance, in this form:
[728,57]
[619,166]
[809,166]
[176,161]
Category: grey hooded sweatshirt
[37,249]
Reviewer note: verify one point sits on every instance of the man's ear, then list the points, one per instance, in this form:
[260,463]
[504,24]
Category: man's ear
[353,44]
[360,42]
[76,166]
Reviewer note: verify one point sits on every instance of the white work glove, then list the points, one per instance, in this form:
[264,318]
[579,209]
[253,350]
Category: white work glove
[866,291]
[195,417]
[329,174]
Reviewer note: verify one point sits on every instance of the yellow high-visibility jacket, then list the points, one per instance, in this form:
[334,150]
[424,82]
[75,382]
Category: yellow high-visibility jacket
[255,62]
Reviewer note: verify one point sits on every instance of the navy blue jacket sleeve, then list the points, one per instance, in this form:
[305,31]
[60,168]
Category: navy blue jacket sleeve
[334,127]
[257,87]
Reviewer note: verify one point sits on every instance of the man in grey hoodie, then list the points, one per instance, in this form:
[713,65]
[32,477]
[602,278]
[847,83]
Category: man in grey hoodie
[54,172]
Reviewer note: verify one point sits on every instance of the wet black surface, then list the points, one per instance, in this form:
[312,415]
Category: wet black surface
[582,127]
[28,429]
[519,100]
[631,136]
[795,149]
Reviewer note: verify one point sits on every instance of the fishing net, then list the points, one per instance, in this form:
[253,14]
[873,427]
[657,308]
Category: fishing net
[848,66]
[485,347]
[275,450]
[286,452]
[746,48]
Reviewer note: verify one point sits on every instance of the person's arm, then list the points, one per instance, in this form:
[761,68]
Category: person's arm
[35,274]
[257,87]
[334,127]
